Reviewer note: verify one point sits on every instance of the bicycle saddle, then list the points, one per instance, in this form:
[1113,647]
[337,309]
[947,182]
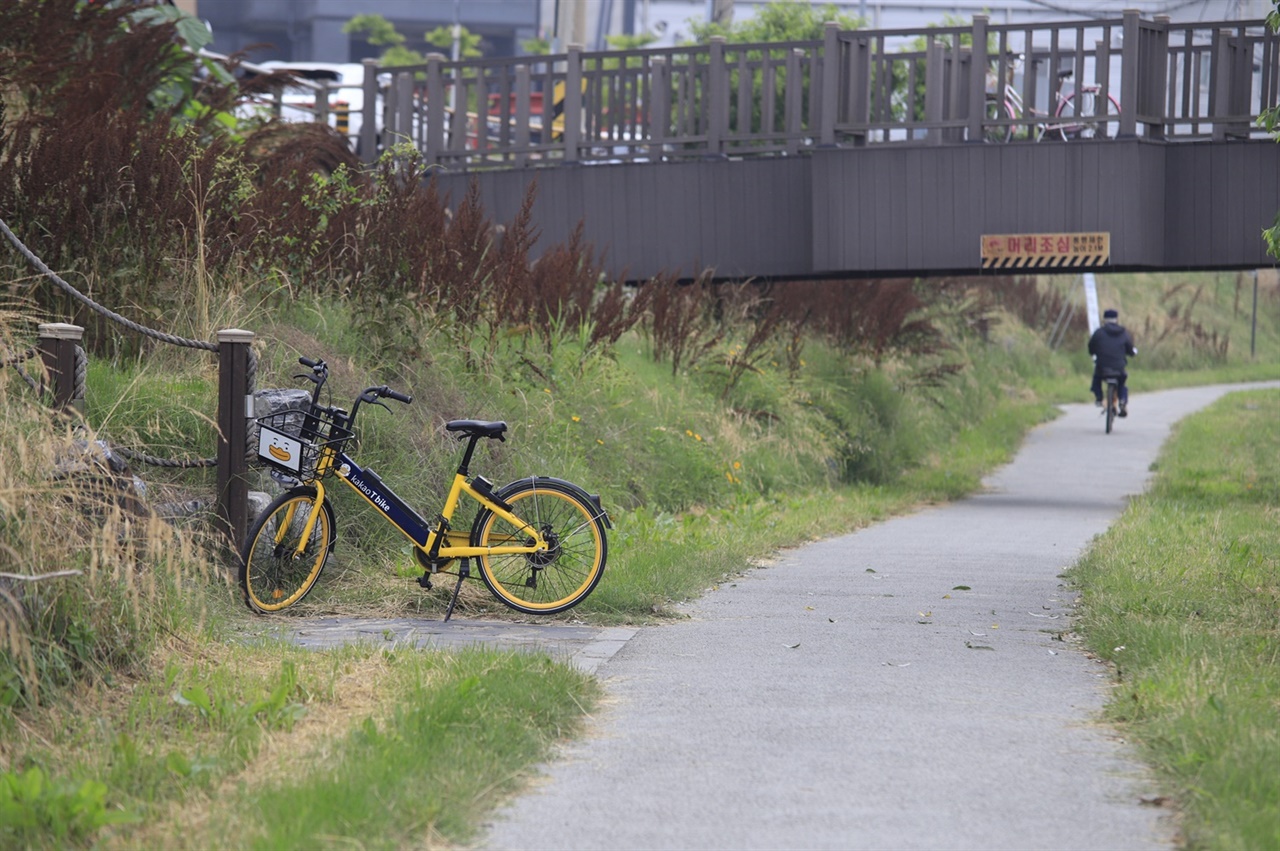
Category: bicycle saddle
[477,428]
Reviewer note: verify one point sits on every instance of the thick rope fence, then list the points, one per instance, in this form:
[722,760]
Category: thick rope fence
[233,389]
[82,359]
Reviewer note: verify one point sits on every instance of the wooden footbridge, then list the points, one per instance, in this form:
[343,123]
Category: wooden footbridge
[1122,144]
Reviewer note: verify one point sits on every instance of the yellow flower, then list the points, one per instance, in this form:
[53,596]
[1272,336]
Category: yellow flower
[599,441]
[688,432]
[697,437]
[577,419]
[729,476]
[737,465]
[546,389]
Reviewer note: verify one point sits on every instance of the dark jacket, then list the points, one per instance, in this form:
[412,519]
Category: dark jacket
[1111,345]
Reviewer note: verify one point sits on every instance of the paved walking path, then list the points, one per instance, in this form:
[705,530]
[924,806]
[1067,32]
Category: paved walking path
[854,695]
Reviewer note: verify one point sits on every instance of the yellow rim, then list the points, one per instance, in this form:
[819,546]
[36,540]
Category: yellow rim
[294,513]
[570,575]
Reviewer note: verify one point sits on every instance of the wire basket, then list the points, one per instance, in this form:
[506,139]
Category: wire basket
[293,441]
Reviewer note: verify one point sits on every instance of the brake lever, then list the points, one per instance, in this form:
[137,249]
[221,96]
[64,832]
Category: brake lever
[372,399]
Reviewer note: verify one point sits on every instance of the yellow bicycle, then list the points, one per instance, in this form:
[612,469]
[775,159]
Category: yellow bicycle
[540,542]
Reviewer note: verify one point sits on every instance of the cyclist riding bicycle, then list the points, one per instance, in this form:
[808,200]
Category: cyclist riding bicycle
[1111,346]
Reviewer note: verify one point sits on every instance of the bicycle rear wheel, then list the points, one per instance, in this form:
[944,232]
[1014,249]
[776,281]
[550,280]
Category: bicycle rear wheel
[273,574]
[1111,405]
[1090,123]
[543,583]
[996,110]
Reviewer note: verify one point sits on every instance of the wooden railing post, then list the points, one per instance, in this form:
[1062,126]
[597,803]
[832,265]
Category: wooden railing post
[234,407]
[794,100]
[524,89]
[58,342]
[933,93]
[1130,68]
[830,102]
[859,94]
[717,96]
[369,113]
[435,108]
[402,98]
[1156,79]
[978,80]
[573,104]
[659,105]
[1220,77]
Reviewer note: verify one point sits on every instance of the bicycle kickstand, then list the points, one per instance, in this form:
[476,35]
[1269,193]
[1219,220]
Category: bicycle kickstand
[464,570]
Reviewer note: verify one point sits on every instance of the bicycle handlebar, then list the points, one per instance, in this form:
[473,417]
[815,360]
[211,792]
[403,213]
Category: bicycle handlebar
[397,395]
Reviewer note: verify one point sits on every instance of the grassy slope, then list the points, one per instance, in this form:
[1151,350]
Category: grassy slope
[625,427]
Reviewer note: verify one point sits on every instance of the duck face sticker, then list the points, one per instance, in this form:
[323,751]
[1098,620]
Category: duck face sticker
[279,449]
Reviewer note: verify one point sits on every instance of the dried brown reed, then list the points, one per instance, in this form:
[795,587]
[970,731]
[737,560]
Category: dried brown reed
[85,568]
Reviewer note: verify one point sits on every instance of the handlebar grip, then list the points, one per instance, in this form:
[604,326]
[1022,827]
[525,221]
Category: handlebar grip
[397,395]
[308,362]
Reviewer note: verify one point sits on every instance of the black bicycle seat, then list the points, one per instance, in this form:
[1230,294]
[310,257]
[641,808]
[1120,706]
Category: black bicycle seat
[477,428]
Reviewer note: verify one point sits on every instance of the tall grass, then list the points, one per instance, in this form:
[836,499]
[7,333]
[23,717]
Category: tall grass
[89,575]
[1183,596]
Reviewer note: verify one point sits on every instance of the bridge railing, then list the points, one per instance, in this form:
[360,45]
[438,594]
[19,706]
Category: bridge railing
[978,83]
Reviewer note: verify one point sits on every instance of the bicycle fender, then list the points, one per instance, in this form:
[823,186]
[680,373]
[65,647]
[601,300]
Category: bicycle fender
[589,498]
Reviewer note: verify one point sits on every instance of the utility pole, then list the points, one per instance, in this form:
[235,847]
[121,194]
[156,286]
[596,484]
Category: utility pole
[720,12]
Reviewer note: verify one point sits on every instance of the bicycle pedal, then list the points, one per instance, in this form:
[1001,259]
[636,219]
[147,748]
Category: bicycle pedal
[425,581]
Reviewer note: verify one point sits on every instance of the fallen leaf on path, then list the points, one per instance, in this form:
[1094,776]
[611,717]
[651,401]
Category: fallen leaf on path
[793,646]
[973,646]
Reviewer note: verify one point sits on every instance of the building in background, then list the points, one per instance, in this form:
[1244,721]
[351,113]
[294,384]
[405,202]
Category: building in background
[669,20]
[311,30]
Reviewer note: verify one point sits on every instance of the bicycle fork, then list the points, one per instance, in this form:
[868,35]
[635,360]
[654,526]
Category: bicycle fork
[316,506]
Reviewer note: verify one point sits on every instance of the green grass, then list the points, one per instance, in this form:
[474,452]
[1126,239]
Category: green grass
[1183,596]
[428,767]
[271,746]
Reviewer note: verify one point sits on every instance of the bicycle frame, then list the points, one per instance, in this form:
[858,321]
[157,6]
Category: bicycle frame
[397,512]
[1062,119]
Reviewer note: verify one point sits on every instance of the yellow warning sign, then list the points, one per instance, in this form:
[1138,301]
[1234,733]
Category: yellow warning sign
[1045,250]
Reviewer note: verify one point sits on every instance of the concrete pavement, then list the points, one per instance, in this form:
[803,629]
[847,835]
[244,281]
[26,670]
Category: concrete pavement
[913,685]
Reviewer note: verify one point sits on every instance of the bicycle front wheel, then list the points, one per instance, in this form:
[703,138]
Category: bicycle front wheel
[274,573]
[559,578]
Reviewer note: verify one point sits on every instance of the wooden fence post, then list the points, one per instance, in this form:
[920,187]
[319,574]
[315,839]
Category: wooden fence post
[58,342]
[859,93]
[572,103]
[1130,68]
[234,407]
[933,94]
[717,97]
[435,108]
[978,80]
[369,113]
[524,90]
[830,103]
[659,105]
